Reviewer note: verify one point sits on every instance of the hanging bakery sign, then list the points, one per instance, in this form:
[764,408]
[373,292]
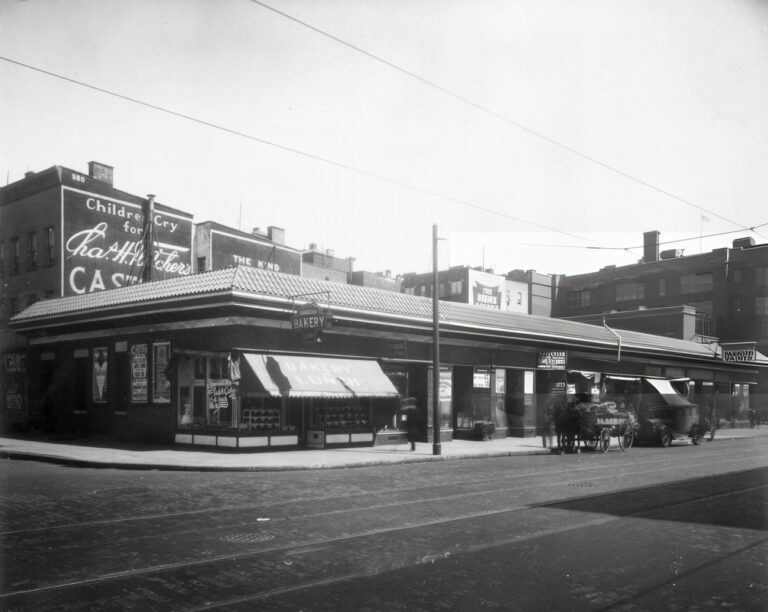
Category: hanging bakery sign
[311,317]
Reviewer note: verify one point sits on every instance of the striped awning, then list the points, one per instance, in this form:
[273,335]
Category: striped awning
[308,376]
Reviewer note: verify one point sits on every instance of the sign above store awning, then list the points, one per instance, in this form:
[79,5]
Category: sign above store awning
[552,360]
[739,352]
[307,376]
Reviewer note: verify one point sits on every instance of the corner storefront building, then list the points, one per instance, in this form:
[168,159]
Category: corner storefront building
[245,358]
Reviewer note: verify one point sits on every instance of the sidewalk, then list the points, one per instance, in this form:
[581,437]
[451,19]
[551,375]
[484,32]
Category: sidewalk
[80,453]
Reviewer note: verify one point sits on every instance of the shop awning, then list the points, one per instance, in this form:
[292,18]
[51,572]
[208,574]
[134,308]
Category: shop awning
[665,388]
[305,376]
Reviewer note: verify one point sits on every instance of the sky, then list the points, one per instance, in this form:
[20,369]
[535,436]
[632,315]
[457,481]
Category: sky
[536,134]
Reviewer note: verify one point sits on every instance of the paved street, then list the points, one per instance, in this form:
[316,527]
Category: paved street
[651,529]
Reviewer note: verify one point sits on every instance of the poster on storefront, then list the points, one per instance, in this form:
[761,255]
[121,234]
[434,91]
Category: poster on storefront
[139,373]
[15,363]
[161,389]
[481,378]
[219,394]
[100,362]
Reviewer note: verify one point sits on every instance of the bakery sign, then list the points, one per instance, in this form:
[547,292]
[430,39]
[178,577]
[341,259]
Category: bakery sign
[103,242]
[739,352]
[310,318]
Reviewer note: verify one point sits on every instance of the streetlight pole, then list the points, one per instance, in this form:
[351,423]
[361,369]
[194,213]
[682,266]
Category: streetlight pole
[436,446]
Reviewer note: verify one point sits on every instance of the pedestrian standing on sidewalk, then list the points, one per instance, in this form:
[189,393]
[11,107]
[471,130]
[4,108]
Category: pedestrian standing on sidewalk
[412,418]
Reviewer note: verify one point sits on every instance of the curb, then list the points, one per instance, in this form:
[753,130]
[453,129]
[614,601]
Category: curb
[116,465]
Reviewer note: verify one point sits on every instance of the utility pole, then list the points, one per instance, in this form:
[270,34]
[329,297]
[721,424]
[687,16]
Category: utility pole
[149,252]
[436,446]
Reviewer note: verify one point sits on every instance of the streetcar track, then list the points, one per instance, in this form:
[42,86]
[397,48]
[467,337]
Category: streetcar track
[677,577]
[603,520]
[324,542]
[399,503]
[631,468]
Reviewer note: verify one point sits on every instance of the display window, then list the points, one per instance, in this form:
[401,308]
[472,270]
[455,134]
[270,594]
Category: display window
[208,398]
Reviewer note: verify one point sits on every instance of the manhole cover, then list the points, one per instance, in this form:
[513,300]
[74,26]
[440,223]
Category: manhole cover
[248,538]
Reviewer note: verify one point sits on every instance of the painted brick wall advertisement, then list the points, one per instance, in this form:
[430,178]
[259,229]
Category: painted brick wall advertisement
[103,243]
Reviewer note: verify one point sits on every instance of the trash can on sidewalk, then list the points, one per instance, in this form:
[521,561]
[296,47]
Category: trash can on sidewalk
[484,430]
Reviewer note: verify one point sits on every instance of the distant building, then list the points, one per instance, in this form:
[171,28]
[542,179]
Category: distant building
[324,265]
[518,291]
[376,280]
[721,295]
[218,246]
[64,233]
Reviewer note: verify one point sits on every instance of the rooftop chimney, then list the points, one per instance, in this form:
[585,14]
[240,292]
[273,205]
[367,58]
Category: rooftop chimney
[276,234]
[651,246]
[101,172]
[744,243]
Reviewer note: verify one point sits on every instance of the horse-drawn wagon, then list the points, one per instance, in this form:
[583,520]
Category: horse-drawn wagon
[591,426]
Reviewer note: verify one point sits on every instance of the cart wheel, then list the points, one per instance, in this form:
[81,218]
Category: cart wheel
[712,433]
[605,439]
[696,435]
[665,438]
[626,438]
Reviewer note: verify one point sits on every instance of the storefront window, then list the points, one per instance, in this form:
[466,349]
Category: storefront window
[500,403]
[445,397]
[341,414]
[261,414]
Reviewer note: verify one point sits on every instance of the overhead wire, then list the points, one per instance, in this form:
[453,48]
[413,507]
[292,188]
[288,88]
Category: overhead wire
[293,150]
[496,114]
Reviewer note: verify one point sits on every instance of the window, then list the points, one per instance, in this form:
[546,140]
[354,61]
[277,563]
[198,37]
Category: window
[761,307]
[761,276]
[456,287]
[409,290]
[736,307]
[15,255]
[696,283]
[15,306]
[201,264]
[579,298]
[662,286]
[445,289]
[49,294]
[630,291]
[50,246]
[32,251]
